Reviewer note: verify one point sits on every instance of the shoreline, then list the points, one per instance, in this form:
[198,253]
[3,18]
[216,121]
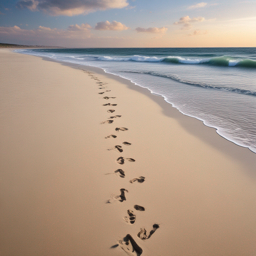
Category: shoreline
[62,190]
[193,124]
[131,83]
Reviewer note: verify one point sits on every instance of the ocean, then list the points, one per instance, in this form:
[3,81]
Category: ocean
[214,85]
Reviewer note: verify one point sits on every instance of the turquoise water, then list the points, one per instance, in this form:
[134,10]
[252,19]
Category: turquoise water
[215,85]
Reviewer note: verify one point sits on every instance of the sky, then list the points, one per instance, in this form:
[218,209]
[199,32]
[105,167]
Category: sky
[129,23]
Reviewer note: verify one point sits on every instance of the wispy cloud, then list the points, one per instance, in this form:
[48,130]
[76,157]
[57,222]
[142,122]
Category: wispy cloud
[114,25]
[156,30]
[70,8]
[29,4]
[41,31]
[199,5]
[187,19]
[82,27]
[186,22]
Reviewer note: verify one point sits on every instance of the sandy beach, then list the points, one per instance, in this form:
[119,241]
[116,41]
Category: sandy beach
[88,158]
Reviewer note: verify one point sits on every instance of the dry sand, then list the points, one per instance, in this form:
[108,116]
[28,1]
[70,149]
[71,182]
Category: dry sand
[60,195]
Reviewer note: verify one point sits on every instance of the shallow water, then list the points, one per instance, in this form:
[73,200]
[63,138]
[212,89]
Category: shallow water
[215,85]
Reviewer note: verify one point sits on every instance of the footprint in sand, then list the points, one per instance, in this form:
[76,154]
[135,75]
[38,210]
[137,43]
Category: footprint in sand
[131,218]
[117,147]
[109,104]
[141,179]
[116,116]
[107,122]
[101,92]
[111,111]
[130,159]
[127,143]
[120,160]
[120,197]
[143,233]
[121,129]
[139,208]
[129,245]
[107,98]
[111,136]
[120,172]
[108,90]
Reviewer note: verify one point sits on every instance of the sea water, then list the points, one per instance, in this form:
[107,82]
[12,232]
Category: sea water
[215,85]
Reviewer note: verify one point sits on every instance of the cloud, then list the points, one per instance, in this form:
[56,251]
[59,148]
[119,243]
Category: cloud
[186,26]
[1,13]
[199,5]
[73,31]
[29,4]
[161,30]
[186,22]
[73,36]
[199,32]
[41,28]
[70,8]
[114,25]
[187,19]
[82,27]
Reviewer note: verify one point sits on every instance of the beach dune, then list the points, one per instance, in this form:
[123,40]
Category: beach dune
[93,165]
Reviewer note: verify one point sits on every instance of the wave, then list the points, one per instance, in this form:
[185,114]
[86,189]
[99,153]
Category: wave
[133,58]
[201,85]
[202,59]
[225,61]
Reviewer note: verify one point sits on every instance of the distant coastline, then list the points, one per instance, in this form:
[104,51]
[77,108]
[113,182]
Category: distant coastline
[15,46]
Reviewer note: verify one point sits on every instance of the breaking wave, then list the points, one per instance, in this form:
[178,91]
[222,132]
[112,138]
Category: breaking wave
[215,61]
